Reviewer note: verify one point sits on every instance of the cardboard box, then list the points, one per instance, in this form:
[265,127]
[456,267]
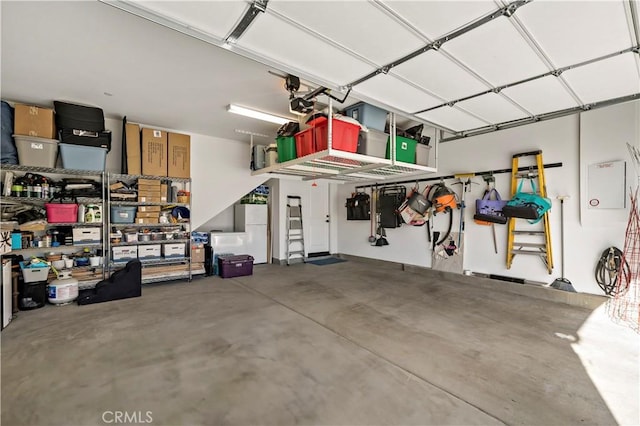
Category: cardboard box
[149,182]
[115,186]
[173,249]
[34,121]
[146,220]
[179,155]
[148,199]
[150,188]
[149,251]
[147,214]
[86,236]
[125,253]
[146,209]
[197,254]
[148,193]
[134,155]
[164,191]
[154,152]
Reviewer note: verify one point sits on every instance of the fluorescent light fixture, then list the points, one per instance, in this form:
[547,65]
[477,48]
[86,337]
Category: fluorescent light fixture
[247,112]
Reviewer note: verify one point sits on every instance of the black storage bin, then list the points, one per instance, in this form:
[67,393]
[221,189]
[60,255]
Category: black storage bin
[86,138]
[32,295]
[72,116]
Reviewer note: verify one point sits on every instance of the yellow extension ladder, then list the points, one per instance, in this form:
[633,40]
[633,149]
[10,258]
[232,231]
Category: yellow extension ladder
[538,248]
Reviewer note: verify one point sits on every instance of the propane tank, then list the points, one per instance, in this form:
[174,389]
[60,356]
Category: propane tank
[64,289]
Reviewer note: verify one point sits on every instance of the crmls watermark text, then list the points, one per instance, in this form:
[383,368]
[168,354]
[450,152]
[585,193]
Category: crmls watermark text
[124,417]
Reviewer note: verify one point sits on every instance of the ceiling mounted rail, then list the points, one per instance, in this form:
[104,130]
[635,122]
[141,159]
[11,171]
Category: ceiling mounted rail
[256,7]
[507,11]
[633,8]
[557,72]
[541,117]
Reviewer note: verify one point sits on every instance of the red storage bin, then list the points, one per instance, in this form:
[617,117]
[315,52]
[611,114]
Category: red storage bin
[61,213]
[304,143]
[344,135]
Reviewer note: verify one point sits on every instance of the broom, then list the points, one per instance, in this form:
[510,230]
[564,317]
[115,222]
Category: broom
[562,283]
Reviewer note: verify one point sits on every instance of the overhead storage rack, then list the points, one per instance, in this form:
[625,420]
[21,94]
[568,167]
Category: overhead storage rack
[337,165]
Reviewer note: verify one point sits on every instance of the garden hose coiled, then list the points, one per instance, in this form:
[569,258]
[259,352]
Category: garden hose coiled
[610,265]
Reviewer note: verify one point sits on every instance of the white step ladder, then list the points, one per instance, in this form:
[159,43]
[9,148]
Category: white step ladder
[295,230]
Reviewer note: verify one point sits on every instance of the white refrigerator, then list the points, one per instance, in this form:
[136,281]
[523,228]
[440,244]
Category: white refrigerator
[252,220]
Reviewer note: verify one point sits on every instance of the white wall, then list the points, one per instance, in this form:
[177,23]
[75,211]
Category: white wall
[560,141]
[223,221]
[220,171]
[604,134]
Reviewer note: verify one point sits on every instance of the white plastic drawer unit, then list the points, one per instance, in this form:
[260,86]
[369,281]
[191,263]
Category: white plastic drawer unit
[86,236]
[150,251]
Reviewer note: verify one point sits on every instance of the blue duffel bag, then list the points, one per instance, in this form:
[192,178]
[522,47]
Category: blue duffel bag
[8,152]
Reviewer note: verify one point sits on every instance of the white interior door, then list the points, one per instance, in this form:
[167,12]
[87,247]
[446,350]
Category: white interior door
[318,218]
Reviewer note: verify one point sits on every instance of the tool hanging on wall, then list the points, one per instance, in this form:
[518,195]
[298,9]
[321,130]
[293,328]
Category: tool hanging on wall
[372,216]
[442,200]
[465,186]
[381,235]
[562,283]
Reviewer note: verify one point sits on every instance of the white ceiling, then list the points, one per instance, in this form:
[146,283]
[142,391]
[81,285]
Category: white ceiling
[165,78]
[79,50]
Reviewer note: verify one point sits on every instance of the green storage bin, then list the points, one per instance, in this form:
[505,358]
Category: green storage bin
[405,149]
[286,148]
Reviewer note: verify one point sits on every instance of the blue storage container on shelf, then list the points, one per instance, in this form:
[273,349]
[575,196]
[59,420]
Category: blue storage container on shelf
[82,157]
[123,214]
[369,115]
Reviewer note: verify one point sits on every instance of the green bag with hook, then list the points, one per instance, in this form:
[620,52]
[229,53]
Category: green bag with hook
[527,205]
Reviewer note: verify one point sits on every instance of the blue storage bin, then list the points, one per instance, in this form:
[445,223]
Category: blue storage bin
[82,157]
[123,214]
[369,115]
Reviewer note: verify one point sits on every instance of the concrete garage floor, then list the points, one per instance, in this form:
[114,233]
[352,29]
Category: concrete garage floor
[349,343]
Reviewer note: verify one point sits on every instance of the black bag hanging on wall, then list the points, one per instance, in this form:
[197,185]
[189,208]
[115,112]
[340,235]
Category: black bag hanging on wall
[389,201]
[359,207]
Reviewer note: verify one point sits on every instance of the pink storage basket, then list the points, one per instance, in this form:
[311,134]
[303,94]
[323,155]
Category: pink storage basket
[61,213]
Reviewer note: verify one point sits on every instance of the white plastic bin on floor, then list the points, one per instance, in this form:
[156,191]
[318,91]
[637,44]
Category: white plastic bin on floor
[80,157]
[36,152]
